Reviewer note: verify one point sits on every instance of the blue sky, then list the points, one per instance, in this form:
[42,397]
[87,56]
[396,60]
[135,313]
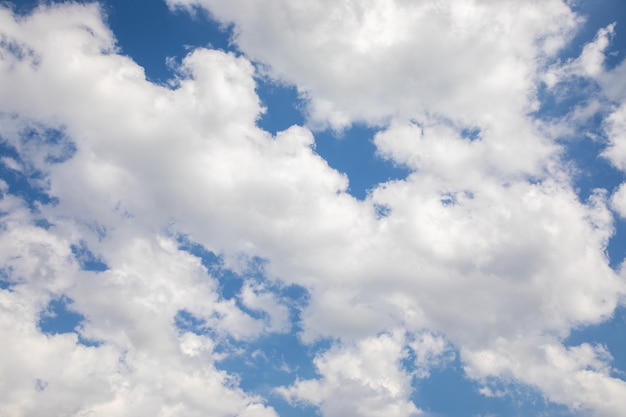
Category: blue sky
[263,208]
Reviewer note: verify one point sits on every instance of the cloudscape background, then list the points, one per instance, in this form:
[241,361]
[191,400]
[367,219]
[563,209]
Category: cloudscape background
[262,208]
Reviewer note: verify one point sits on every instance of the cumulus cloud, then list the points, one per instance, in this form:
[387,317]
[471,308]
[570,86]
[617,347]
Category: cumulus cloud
[431,351]
[590,62]
[369,61]
[256,298]
[615,124]
[362,379]
[610,100]
[485,244]
[139,363]
[618,201]
[578,376]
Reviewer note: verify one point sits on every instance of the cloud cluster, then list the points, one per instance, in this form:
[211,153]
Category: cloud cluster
[364,379]
[135,363]
[484,244]
[373,60]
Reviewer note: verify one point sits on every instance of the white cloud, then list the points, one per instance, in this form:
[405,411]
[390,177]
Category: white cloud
[618,200]
[143,366]
[615,126]
[11,163]
[430,351]
[472,62]
[612,96]
[590,62]
[578,376]
[256,298]
[363,379]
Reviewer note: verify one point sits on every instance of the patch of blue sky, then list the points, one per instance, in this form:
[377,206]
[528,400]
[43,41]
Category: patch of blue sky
[16,50]
[590,172]
[230,283]
[87,260]
[353,152]
[598,14]
[470,133]
[285,408]
[262,364]
[609,334]
[576,91]
[275,359]
[5,281]
[616,249]
[447,392]
[24,7]
[187,322]
[583,148]
[151,44]
[59,318]
[382,211]
[43,223]
[58,146]
[147,38]
[590,169]
[40,385]
[271,361]
[283,105]
[560,100]
[24,184]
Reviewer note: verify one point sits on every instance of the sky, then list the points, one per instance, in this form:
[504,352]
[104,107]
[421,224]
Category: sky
[263,208]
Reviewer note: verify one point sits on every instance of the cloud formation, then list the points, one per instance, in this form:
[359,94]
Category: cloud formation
[371,61]
[484,248]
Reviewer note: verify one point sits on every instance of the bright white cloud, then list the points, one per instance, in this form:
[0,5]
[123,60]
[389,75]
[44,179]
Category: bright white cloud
[469,61]
[363,379]
[590,62]
[143,366]
[616,128]
[430,351]
[618,201]
[256,298]
[578,376]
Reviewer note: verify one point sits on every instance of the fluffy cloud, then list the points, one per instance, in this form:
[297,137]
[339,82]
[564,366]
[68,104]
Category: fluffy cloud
[616,126]
[590,62]
[140,364]
[369,61]
[484,244]
[609,100]
[363,379]
[577,376]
